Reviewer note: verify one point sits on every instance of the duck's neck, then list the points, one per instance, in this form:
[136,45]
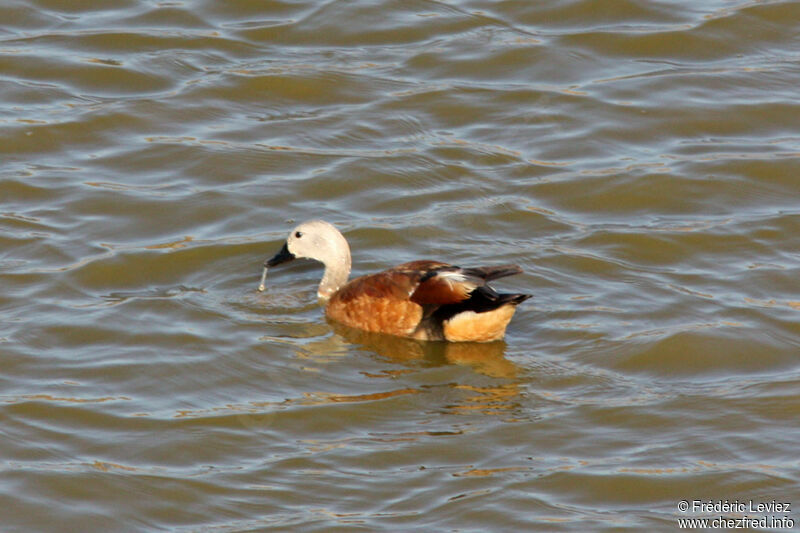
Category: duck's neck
[336,274]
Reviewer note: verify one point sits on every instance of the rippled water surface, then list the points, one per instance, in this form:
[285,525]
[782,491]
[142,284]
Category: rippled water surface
[639,160]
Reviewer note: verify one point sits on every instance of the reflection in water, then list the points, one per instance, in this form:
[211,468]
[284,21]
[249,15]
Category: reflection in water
[498,400]
[487,358]
[321,398]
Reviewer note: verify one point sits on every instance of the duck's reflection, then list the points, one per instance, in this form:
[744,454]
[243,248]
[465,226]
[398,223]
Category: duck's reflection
[467,395]
[486,358]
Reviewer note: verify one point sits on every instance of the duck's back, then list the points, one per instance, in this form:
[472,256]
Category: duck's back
[428,300]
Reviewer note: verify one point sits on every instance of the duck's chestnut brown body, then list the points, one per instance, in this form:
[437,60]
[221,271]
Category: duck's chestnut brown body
[428,300]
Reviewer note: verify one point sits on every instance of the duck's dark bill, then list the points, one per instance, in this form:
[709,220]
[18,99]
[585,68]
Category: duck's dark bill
[282,256]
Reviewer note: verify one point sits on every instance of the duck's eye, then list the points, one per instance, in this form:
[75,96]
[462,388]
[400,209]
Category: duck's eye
[298,234]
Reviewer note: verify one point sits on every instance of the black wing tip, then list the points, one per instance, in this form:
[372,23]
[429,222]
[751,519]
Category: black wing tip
[489,273]
[515,299]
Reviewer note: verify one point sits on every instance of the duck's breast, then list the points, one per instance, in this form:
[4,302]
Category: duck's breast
[377,302]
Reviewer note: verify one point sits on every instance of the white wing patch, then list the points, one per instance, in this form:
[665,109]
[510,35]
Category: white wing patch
[453,277]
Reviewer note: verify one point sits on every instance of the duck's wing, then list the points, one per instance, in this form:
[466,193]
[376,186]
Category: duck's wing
[443,284]
[459,305]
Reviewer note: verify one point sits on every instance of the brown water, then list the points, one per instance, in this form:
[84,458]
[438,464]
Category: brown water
[640,160]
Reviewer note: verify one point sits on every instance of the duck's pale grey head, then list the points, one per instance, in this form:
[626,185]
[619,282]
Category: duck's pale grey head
[322,242]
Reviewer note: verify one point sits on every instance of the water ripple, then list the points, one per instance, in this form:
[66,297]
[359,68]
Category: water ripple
[639,162]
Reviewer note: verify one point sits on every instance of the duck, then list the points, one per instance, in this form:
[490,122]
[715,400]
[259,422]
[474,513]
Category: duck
[425,300]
